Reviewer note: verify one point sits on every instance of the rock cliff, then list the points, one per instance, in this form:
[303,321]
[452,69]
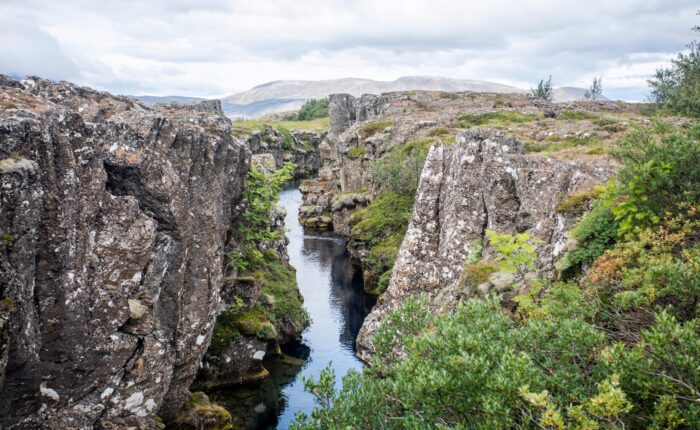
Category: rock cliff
[482,182]
[114,220]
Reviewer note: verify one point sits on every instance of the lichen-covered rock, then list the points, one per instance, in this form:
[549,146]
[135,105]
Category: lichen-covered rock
[299,147]
[483,182]
[116,217]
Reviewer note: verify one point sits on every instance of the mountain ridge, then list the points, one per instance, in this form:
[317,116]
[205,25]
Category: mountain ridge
[288,95]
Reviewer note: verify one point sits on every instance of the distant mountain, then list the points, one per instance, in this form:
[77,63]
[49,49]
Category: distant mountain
[152,100]
[295,93]
[284,96]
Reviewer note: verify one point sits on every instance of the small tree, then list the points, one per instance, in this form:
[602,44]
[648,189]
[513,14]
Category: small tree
[544,90]
[678,88]
[595,92]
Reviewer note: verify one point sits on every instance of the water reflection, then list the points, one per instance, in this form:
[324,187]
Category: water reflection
[333,296]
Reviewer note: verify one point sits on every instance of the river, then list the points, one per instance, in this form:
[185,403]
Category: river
[335,299]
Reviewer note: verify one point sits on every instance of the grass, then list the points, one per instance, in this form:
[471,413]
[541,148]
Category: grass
[375,127]
[252,125]
[356,152]
[571,115]
[494,118]
[578,203]
[555,143]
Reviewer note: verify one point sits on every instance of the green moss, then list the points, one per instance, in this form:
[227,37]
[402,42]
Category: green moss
[6,304]
[279,281]
[375,127]
[224,332]
[200,413]
[382,226]
[578,203]
[494,118]
[254,322]
[572,115]
[356,152]
[476,273]
[6,239]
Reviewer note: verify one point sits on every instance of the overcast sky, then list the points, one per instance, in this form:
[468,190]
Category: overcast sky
[218,47]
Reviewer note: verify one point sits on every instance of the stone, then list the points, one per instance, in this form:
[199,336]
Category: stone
[118,215]
[136,309]
[482,182]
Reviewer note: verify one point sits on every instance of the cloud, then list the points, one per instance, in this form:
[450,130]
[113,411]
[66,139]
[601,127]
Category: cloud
[215,47]
[28,50]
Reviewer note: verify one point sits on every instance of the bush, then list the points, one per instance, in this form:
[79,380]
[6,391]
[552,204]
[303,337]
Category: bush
[544,90]
[595,233]
[475,369]
[661,172]
[677,89]
[312,109]
[399,171]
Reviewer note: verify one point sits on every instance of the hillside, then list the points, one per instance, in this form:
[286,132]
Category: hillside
[290,95]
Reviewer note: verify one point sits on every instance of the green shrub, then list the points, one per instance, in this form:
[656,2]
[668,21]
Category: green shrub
[398,171]
[475,369]
[544,90]
[595,233]
[677,88]
[312,109]
[660,174]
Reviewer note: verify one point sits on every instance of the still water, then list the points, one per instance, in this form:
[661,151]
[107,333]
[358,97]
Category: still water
[337,304]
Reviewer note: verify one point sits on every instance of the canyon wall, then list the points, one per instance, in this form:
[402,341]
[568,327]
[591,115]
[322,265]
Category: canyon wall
[482,182]
[114,220]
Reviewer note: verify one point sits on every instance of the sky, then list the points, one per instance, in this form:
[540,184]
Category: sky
[212,48]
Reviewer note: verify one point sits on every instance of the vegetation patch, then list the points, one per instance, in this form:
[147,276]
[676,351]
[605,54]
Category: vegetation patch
[200,413]
[375,127]
[576,115]
[312,109]
[382,226]
[555,143]
[497,117]
[356,152]
[579,202]
[250,126]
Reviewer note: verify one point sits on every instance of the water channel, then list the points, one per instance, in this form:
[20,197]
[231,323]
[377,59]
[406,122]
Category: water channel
[337,304]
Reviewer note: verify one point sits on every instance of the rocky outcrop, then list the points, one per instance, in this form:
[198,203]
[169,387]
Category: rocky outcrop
[114,220]
[483,182]
[298,147]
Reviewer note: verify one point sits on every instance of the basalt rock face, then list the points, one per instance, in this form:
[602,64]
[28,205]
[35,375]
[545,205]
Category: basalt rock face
[483,182]
[114,219]
[298,147]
